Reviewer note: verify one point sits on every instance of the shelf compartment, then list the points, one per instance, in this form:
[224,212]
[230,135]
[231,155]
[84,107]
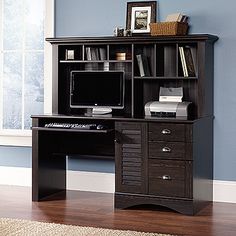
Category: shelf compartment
[146,90]
[95,52]
[77,52]
[120,52]
[144,57]
[187,60]
[122,66]
[166,60]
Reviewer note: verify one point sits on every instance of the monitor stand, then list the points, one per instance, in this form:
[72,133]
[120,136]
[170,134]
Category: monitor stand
[101,111]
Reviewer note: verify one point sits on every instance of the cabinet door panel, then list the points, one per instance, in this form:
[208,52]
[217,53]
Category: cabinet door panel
[131,157]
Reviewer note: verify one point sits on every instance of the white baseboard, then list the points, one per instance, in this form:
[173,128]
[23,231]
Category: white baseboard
[91,181]
[223,191]
[76,180]
[18,176]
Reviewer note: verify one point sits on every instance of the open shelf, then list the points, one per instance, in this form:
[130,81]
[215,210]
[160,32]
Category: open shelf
[165,78]
[97,61]
[120,61]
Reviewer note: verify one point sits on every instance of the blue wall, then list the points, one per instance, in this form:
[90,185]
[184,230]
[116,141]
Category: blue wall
[21,157]
[98,18]
[15,156]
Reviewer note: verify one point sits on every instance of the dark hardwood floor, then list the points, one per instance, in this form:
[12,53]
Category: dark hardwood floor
[96,209]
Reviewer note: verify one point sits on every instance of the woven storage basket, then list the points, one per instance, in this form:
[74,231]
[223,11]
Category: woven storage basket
[168,28]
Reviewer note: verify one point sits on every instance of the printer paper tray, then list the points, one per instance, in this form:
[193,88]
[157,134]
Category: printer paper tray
[163,114]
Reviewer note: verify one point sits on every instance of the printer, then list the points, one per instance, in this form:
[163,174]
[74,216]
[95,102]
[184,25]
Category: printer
[167,109]
[169,105]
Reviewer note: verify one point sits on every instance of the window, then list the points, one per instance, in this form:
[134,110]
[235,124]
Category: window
[22,55]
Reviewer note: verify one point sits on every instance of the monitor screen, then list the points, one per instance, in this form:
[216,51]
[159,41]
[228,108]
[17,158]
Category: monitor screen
[89,89]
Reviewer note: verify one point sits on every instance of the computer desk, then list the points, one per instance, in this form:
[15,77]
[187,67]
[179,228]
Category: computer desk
[157,161]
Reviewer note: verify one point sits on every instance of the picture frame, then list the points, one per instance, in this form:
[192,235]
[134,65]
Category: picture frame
[139,15]
[70,54]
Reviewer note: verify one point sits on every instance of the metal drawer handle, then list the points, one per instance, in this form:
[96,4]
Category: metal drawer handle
[116,140]
[166,149]
[166,131]
[166,177]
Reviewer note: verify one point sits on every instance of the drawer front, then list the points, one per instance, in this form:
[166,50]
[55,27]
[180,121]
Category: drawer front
[166,132]
[170,178]
[170,150]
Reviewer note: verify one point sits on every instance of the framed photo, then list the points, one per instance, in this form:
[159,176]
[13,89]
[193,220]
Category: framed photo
[70,54]
[139,15]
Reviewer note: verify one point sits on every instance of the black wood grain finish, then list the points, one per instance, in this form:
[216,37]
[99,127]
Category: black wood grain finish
[166,132]
[170,150]
[131,157]
[125,200]
[97,40]
[49,176]
[162,161]
[163,59]
[170,178]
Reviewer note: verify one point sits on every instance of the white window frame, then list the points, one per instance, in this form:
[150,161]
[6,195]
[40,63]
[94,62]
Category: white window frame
[24,137]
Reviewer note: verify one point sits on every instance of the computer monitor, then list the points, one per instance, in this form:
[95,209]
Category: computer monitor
[100,90]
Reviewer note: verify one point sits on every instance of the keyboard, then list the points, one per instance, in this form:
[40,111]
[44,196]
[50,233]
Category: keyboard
[75,126]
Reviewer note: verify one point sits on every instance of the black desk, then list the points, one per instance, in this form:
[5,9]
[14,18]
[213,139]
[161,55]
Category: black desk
[164,162]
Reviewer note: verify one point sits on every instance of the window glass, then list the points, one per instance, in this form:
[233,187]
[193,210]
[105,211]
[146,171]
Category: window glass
[34,24]
[21,62]
[34,91]
[13,24]
[12,90]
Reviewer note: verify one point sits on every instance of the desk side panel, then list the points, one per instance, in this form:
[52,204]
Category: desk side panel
[48,169]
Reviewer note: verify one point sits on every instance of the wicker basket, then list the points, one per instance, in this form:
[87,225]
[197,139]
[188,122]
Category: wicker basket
[168,28]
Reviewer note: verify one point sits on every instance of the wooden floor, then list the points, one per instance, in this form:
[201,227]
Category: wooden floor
[97,210]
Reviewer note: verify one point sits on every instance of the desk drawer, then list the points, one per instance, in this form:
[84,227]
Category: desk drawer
[170,178]
[170,150]
[166,132]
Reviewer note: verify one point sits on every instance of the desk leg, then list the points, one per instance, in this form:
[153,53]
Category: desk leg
[48,170]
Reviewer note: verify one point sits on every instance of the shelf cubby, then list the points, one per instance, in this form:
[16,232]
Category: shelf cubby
[78,52]
[95,52]
[147,53]
[166,60]
[120,52]
[122,66]
[191,49]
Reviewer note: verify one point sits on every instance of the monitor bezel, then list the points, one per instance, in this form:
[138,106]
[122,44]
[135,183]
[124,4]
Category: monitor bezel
[98,106]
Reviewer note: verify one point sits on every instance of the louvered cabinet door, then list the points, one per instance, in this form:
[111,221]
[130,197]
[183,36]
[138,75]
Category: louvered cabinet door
[131,157]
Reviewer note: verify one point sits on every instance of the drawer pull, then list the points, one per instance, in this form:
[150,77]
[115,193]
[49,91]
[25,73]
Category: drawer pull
[166,177]
[166,149]
[166,131]
[116,140]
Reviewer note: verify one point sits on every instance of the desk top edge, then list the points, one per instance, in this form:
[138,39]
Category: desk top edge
[116,118]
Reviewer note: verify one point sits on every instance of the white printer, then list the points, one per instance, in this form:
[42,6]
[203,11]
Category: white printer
[169,105]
